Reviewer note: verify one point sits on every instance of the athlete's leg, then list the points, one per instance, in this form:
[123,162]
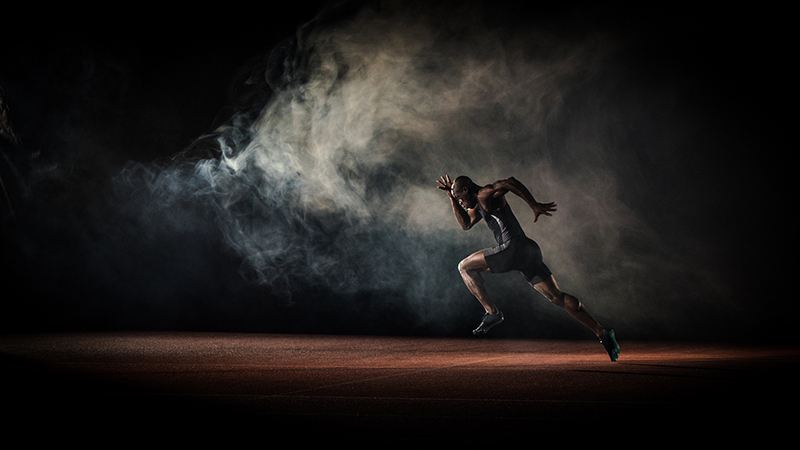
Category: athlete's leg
[549,289]
[470,269]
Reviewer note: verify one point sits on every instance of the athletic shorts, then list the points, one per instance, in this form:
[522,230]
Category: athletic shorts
[521,254]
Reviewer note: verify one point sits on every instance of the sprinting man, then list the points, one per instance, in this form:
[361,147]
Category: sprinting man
[514,251]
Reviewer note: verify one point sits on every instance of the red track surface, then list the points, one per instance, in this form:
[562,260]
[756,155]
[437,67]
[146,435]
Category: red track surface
[395,389]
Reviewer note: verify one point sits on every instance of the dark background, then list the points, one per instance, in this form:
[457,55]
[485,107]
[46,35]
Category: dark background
[86,91]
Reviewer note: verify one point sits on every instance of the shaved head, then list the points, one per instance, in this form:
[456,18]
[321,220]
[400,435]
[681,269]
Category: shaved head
[463,182]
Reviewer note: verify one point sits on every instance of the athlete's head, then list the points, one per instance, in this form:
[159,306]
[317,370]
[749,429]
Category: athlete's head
[465,191]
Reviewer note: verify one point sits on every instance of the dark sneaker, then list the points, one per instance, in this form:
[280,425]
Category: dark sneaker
[610,344]
[488,321]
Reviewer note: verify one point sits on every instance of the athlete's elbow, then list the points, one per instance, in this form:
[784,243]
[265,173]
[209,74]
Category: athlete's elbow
[467,226]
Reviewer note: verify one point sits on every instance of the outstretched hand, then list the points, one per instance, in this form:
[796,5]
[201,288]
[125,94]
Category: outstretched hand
[542,208]
[446,185]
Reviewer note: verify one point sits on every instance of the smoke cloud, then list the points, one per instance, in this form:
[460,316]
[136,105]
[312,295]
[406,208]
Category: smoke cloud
[321,183]
[330,182]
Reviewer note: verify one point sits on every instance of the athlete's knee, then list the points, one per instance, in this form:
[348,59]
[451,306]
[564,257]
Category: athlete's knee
[572,304]
[466,265]
[549,292]
[473,264]
[557,299]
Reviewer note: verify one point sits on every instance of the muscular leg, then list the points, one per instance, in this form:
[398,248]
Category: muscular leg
[470,269]
[549,289]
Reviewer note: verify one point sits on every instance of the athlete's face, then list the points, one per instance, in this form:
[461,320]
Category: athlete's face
[465,199]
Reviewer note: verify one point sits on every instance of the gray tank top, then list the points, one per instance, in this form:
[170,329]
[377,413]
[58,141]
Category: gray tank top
[503,223]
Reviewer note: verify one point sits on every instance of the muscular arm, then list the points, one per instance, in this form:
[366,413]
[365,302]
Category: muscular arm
[467,218]
[511,184]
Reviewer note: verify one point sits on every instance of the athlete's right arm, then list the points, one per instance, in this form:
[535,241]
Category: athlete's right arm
[465,217]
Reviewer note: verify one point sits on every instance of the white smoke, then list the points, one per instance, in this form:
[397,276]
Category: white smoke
[333,182]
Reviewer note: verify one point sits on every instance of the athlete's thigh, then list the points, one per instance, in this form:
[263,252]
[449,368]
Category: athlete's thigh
[475,261]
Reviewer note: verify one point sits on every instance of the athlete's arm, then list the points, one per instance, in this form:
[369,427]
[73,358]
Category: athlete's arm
[511,184]
[467,218]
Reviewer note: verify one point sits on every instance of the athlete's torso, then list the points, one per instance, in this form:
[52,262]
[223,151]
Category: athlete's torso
[502,222]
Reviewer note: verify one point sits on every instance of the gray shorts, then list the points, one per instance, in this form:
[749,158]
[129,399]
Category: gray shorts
[521,254]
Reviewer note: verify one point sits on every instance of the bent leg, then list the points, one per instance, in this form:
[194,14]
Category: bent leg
[470,269]
[549,289]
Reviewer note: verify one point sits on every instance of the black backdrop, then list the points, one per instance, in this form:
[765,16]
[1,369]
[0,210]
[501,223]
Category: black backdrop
[86,93]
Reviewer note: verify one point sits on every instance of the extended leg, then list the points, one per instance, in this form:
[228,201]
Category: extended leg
[549,289]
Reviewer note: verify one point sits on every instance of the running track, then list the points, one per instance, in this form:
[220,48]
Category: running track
[184,387]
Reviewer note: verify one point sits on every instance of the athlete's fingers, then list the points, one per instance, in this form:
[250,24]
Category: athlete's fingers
[543,208]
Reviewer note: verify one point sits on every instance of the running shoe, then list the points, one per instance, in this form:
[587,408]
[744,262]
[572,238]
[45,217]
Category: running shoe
[610,344]
[488,321]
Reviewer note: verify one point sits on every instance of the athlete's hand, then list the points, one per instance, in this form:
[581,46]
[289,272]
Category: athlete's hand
[542,208]
[446,185]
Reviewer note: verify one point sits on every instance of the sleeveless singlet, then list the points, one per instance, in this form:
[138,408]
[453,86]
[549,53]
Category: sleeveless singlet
[503,223]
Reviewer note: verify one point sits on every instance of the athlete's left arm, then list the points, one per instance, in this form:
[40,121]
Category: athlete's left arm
[511,184]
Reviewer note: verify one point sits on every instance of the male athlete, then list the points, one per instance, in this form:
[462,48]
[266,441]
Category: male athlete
[514,250]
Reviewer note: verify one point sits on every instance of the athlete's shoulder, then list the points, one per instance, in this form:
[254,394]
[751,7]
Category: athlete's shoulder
[496,189]
[491,197]
[487,191]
